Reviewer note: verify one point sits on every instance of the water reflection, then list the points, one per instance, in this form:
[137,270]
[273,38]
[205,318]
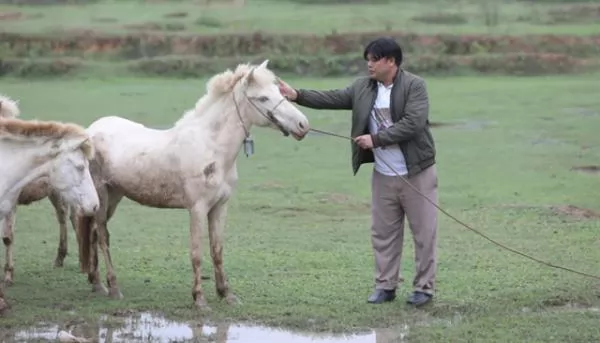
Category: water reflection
[147,327]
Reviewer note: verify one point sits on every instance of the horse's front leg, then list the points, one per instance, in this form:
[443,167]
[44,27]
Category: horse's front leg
[8,238]
[104,241]
[198,220]
[61,210]
[216,225]
[111,277]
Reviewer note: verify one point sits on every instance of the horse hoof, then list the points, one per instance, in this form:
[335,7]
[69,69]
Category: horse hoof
[232,299]
[115,294]
[100,289]
[3,306]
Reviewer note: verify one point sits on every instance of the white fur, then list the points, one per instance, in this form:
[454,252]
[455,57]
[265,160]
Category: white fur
[62,161]
[8,108]
[191,165]
[65,166]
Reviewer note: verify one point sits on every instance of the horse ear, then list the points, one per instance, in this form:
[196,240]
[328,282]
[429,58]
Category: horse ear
[248,78]
[264,64]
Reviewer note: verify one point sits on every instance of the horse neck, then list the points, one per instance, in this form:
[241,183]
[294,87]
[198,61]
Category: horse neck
[31,161]
[219,125]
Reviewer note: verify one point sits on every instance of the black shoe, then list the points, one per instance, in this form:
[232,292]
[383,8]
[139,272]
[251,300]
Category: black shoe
[382,295]
[419,298]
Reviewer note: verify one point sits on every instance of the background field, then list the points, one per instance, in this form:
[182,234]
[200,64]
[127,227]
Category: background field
[297,247]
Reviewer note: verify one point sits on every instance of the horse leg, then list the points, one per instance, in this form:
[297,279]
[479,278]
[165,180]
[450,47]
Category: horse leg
[8,239]
[104,240]
[198,214]
[216,224]
[73,218]
[87,239]
[61,210]
[91,263]
[3,304]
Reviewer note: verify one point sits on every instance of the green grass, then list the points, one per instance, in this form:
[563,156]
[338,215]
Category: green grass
[297,246]
[509,17]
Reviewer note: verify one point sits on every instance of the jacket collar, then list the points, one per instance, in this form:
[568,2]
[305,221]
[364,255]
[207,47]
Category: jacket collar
[399,72]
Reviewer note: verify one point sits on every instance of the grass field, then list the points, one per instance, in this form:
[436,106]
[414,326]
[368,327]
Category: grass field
[297,243]
[461,17]
[297,247]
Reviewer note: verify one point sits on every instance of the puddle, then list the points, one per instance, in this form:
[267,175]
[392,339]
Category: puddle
[148,327]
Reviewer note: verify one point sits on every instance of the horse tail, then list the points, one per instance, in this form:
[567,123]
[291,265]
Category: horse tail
[8,107]
[84,232]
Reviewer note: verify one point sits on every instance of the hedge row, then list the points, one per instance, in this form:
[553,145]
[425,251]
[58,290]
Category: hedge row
[144,45]
[346,65]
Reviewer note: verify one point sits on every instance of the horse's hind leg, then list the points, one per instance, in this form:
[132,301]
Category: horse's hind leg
[104,241]
[62,211]
[216,224]
[8,238]
[3,304]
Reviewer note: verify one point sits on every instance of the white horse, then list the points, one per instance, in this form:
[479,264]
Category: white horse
[30,150]
[189,166]
[34,191]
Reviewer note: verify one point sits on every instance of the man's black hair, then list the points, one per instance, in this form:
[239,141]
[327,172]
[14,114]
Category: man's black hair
[384,47]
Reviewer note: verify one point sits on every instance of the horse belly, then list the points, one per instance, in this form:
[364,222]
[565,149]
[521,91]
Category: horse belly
[152,190]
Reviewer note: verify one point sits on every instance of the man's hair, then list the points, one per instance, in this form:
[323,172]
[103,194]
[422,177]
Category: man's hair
[384,47]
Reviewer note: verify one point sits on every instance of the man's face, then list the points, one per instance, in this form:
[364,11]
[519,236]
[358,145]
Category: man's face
[379,69]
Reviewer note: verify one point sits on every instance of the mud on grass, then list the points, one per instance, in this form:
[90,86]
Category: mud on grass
[313,271]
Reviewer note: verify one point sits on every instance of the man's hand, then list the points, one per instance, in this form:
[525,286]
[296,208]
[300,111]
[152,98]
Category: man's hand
[364,141]
[287,91]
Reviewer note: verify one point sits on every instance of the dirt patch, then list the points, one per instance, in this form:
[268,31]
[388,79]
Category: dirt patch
[11,16]
[563,210]
[441,18]
[345,200]
[575,212]
[465,125]
[105,20]
[440,124]
[336,198]
[284,211]
[156,27]
[176,15]
[269,185]
[591,169]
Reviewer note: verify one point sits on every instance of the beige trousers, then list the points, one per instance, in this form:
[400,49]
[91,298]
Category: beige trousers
[392,201]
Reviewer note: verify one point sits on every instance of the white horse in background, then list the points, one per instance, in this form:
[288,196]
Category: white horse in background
[34,191]
[191,165]
[34,149]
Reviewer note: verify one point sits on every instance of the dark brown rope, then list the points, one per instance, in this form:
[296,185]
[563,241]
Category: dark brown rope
[464,224]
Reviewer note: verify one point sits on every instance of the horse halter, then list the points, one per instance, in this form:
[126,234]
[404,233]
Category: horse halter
[270,115]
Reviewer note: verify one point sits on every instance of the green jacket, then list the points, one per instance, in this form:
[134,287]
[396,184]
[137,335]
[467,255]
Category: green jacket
[410,113]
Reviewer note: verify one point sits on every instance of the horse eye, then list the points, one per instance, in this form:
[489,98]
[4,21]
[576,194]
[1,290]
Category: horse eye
[263,98]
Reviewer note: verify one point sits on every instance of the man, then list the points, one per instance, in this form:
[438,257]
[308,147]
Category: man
[390,126]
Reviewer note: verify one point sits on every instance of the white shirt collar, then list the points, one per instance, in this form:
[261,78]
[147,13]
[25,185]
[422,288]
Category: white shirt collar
[380,85]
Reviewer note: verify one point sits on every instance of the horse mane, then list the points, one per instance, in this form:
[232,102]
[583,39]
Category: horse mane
[225,82]
[8,107]
[53,130]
